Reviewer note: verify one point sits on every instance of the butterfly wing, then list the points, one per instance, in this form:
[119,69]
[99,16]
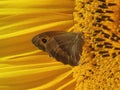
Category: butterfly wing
[66,47]
[55,51]
[37,40]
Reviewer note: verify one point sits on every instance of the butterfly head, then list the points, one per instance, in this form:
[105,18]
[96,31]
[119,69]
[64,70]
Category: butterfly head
[40,41]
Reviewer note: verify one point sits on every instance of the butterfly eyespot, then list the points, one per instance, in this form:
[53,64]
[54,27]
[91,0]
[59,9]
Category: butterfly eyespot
[44,40]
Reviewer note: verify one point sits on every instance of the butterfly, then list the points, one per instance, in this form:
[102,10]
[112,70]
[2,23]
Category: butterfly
[65,47]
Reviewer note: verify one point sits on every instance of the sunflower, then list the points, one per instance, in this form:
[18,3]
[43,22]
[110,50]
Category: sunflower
[24,67]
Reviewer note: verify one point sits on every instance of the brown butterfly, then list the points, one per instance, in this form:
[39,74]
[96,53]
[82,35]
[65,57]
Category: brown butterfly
[65,47]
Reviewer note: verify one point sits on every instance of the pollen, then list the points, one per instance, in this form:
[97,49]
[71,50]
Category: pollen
[99,67]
